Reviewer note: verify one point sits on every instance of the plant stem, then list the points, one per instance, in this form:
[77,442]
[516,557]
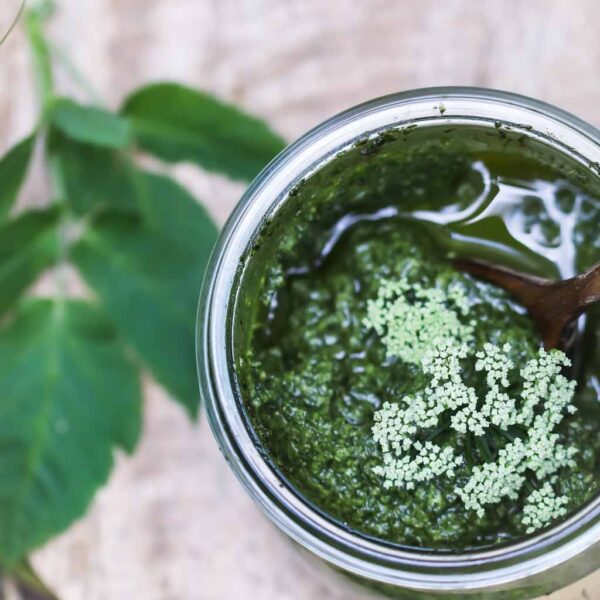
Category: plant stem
[64,226]
[483,447]
[62,58]
[42,60]
[507,435]
[41,56]
[14,22]
[28,584]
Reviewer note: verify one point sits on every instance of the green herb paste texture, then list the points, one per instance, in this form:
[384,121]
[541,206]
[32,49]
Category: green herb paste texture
[312,374]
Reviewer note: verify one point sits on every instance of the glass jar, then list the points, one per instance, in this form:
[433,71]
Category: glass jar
[525,569]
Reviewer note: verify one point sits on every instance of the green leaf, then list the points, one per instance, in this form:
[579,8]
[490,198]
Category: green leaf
[69,394]
[148,282]
[13,169]
[90,124]
[28,245]
[177,123]
[94,178]
[169,208]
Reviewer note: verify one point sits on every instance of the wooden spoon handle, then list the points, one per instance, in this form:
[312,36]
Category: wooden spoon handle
[553,305]
[590,291]
[528,289]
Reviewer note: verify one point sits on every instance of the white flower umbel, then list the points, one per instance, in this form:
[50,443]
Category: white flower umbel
[546,455]
[545,397]
[542,382]
[427,462]
[498,406]
[542,507]
[412,319]
[404,430]
[491,482]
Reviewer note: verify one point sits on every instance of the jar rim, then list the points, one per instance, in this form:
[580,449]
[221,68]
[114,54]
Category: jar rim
[359,554]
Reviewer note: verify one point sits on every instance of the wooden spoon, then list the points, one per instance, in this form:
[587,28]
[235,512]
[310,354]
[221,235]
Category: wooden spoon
[554,306]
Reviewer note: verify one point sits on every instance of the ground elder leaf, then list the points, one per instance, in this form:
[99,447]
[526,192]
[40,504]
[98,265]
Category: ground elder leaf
[177,123]
[148,281]
[69,396]
[28,245]
[13,170]
[94,178]
[90,124]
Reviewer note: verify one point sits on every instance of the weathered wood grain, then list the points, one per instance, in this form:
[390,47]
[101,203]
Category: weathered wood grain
[173,523]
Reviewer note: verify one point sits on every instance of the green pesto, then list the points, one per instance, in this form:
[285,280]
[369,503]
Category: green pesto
[312,374]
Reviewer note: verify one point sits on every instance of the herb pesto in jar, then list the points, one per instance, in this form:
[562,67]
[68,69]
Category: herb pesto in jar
[348,295]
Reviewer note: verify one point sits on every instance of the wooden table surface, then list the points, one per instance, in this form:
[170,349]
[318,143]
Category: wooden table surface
[173,523]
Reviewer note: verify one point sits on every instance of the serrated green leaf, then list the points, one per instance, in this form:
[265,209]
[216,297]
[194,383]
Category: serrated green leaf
[89,124]
[69,394]
[177,123]
[13,169]
[28,245]
[169,208]
[149,284]
[94,178]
